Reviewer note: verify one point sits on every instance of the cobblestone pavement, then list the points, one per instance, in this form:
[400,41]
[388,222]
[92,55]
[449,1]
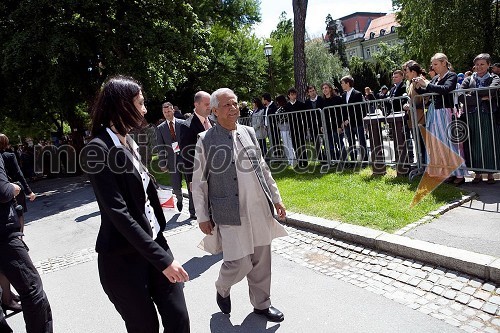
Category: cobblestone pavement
[458,299]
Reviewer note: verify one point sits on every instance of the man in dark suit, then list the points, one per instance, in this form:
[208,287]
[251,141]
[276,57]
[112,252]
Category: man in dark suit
[314,101]
[353,118]
[177,113]
[397,90]
[167,138]
[298,128]
[271,122]
[382,94]
[197,123]
[394,103]
[244,110]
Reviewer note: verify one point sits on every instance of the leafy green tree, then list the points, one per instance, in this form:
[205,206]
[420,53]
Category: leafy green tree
[390,57]
[232,14]
[282,65]
[460,29]
[239,62]
[384,75]
[55,54]
[236,57]
[387,60]
[335,40]
[322,66]
[363,73]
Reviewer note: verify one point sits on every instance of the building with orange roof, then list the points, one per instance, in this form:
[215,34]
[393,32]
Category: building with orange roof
[363,32]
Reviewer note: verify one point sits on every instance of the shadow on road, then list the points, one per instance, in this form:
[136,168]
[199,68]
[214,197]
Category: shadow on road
[221,323]
[197,265]
[87,216]
[58,195]
[178,220]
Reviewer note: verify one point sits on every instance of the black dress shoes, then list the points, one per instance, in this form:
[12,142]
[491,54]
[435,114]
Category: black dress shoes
[224,303]
[14,307]
[450,180]
[271,313]
[179,205]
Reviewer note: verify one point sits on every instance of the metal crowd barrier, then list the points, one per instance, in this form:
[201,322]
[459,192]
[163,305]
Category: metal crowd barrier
[471,128]
[383,133]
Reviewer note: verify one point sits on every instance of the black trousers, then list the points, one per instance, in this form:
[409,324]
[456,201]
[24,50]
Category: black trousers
[17,266]
[134,286]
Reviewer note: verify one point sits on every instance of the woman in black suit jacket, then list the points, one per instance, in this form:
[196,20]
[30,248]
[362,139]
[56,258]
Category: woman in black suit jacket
[136,266]
[438,120]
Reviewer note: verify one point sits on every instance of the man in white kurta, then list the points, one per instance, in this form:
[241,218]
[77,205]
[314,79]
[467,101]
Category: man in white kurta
[246,244]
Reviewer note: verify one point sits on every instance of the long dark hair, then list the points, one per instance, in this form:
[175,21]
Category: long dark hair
[329,86]
[258,103]
[115,105]
[412,65]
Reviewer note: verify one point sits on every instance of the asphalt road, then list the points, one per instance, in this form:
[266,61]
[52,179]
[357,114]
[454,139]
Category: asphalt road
[62,236]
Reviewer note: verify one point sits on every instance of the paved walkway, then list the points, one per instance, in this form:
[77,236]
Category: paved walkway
[474,226]
[322,284]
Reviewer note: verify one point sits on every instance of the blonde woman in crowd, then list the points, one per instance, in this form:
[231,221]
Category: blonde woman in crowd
[439,117]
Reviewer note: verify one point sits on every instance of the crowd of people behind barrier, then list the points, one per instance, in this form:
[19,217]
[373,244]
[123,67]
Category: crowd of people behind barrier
[345,129]
[46,158]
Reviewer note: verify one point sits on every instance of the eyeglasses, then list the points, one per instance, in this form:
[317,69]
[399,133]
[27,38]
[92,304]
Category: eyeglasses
[228,105]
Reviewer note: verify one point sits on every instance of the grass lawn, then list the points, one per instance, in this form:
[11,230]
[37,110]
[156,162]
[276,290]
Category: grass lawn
[379,202]
[356,197]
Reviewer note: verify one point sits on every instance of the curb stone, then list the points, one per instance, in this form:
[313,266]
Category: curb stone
[483,266]
[440,211]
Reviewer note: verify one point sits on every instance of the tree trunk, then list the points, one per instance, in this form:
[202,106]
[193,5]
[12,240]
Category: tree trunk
[299,59]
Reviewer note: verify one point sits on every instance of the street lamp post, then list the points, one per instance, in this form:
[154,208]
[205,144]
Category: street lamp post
[268,52]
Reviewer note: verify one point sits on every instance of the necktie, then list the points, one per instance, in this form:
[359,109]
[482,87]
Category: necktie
[206,124]
[172,131]
[393,93]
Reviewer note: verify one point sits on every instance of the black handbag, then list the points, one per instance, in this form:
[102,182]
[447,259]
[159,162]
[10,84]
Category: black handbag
[11,223]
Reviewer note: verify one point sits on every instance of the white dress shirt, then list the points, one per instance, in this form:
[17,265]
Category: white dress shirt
[141,169]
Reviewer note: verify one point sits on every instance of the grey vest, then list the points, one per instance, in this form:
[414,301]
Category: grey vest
[221,175]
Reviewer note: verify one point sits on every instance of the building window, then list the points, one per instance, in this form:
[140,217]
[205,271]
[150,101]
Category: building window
[372,35]
[393,29]
[382,32]
[368,53]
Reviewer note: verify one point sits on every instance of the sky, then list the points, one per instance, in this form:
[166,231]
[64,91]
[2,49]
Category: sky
[317,10]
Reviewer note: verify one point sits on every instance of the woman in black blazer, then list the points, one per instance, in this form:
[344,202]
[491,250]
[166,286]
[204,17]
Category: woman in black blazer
[136,266]
[438,121]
